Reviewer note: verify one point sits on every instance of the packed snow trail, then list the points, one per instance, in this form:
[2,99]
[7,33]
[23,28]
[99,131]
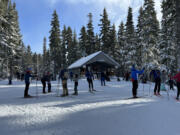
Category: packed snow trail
[107,112]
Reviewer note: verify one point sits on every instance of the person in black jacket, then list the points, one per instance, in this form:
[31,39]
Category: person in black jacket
[43,81]
[103,79]
[48,79]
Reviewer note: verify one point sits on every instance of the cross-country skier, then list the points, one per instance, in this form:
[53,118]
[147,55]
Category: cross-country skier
[103,79]
[134,78]
[75,84]
[27,82]
[157,78]
[171,82]
[64,78]
[89,76]
[48,79]
[177,78]
[43,81]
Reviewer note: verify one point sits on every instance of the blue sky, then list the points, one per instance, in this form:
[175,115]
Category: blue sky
[35,15]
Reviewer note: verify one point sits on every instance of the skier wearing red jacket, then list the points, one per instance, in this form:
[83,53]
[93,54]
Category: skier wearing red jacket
[177,78]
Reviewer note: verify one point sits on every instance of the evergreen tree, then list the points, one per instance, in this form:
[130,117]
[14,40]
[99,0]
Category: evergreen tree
[97,43]
[90,46]
[130,41]
[113,41]
[55,43]
[168,44]
[29,61]
[121,52]
[69,46]
[83,41]
[63,47]
[150,35]
[105,32]
[44,53]
[139,33]
[75,54]
[13,39]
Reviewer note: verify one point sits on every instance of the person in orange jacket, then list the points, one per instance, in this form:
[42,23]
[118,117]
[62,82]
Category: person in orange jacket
[177,78]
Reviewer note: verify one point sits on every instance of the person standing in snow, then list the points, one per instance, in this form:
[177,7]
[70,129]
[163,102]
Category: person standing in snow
[171,82]
[48,79]
[75,84]
[89,77]
[64,78]
[177,78]
[102,79]
[157,78]
[134,78]
[27,83]
[71,76]
[127,76]
[43,81]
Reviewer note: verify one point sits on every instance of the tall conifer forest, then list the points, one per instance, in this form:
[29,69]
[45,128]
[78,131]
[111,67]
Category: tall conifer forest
[149,42]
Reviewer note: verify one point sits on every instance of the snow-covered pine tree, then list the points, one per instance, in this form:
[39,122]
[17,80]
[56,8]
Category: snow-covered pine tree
[3,38]
[44,54]
[112,41]
[97,43]
[178,31]
[64,47]
[35,63]
[55,43]
[120,49]
[168,44]
[28,60]
[13,39]
[90,46]
[130,47]
[70,52]
[150,35]
[139,33]
[105,31]
[48,60]
[76,54]
[83,41]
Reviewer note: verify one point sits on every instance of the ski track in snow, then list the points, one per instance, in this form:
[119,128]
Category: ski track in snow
[106,112]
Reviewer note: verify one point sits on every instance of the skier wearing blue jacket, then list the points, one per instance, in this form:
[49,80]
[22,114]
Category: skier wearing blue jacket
[134,79]
[27,82]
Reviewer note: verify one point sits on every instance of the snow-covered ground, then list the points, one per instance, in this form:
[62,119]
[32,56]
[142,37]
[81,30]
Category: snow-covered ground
[107,112]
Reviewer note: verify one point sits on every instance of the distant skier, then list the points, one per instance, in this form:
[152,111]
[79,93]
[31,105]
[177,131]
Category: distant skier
[134,78]
[64,78]
[89,76]
[103,79]
[157,78]
[75,84]
[48,79]
[71,76]
[43,81]
[171,82]
[10,79]
[27,82]
[177,78]
[127,76]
